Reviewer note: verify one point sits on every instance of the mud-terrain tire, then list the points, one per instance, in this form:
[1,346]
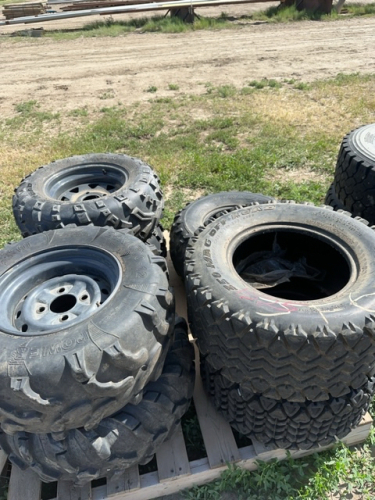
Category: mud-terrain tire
[332,200]
[285,424]
[86,317]
[157,240]
[100,189]
[127,438]
[301,340]
[200,213]
[354,179]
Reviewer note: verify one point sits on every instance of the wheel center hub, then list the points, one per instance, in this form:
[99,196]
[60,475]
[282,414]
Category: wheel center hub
[58,301]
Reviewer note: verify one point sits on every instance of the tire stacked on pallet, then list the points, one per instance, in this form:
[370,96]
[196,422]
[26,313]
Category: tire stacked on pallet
[87,321]
[280,301]
[129,437]
[200,213]
[353,187]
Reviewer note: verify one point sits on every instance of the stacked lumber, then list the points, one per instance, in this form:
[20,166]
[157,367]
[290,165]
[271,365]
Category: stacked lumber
[101,3]
[13,10]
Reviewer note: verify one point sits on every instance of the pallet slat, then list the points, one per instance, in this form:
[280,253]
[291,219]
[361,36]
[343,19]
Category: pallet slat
[24,485]
[128,481]
[217,434]
[172,459]
[67,491]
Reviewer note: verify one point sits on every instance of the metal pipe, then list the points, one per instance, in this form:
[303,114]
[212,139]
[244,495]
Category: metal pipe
[121,9]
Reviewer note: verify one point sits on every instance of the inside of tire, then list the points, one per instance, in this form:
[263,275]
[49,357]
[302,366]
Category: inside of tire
[292,264]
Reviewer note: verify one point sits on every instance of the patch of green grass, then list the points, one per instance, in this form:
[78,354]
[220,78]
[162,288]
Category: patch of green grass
[358,9]
[29,112]
[287,14]
[260,84]
[173,86]
[79,112]
[152,89]
[302,86]
[332,474]
[160,24]
[226,91]
[281,14]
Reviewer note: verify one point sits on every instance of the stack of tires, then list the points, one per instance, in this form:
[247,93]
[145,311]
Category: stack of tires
[281,302]
[95,370]
[353,187]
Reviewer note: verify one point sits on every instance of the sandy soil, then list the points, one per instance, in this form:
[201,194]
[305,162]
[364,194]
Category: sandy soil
[103,71]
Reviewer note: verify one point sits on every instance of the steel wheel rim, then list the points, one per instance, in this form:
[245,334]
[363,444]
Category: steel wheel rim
[85,182]
[56,289]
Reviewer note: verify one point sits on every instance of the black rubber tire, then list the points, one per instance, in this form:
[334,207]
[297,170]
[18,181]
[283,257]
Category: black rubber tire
[157,240]
[132,198]
[200,213]
[354,180]
[59,376]
[286,348]
[332,200]
[285,424]
[127,438]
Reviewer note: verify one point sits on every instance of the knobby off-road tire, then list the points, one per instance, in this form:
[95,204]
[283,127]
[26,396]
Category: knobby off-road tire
[127,438]
[285,424]
[200,213]
[100,189]
[85,321]
[354,180]
[157,240]
[303,340]
[332,200]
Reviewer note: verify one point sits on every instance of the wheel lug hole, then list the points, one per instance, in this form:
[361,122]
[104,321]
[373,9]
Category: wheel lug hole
[40,309]
[61,290]
[65,317]
[84,297]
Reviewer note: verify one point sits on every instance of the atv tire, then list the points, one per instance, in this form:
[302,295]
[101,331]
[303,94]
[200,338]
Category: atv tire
[200,213]
[284,424]
[86,314]
[332,200]
[99,189]
[299,340]
[354,180]
[127,438]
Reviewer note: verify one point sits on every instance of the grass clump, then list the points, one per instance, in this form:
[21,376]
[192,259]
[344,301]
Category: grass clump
[156,24]
[338,473]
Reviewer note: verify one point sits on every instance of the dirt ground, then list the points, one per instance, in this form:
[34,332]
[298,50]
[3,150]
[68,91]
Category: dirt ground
[64,75]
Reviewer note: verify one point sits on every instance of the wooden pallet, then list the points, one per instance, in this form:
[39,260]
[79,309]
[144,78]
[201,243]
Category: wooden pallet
[174,470]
